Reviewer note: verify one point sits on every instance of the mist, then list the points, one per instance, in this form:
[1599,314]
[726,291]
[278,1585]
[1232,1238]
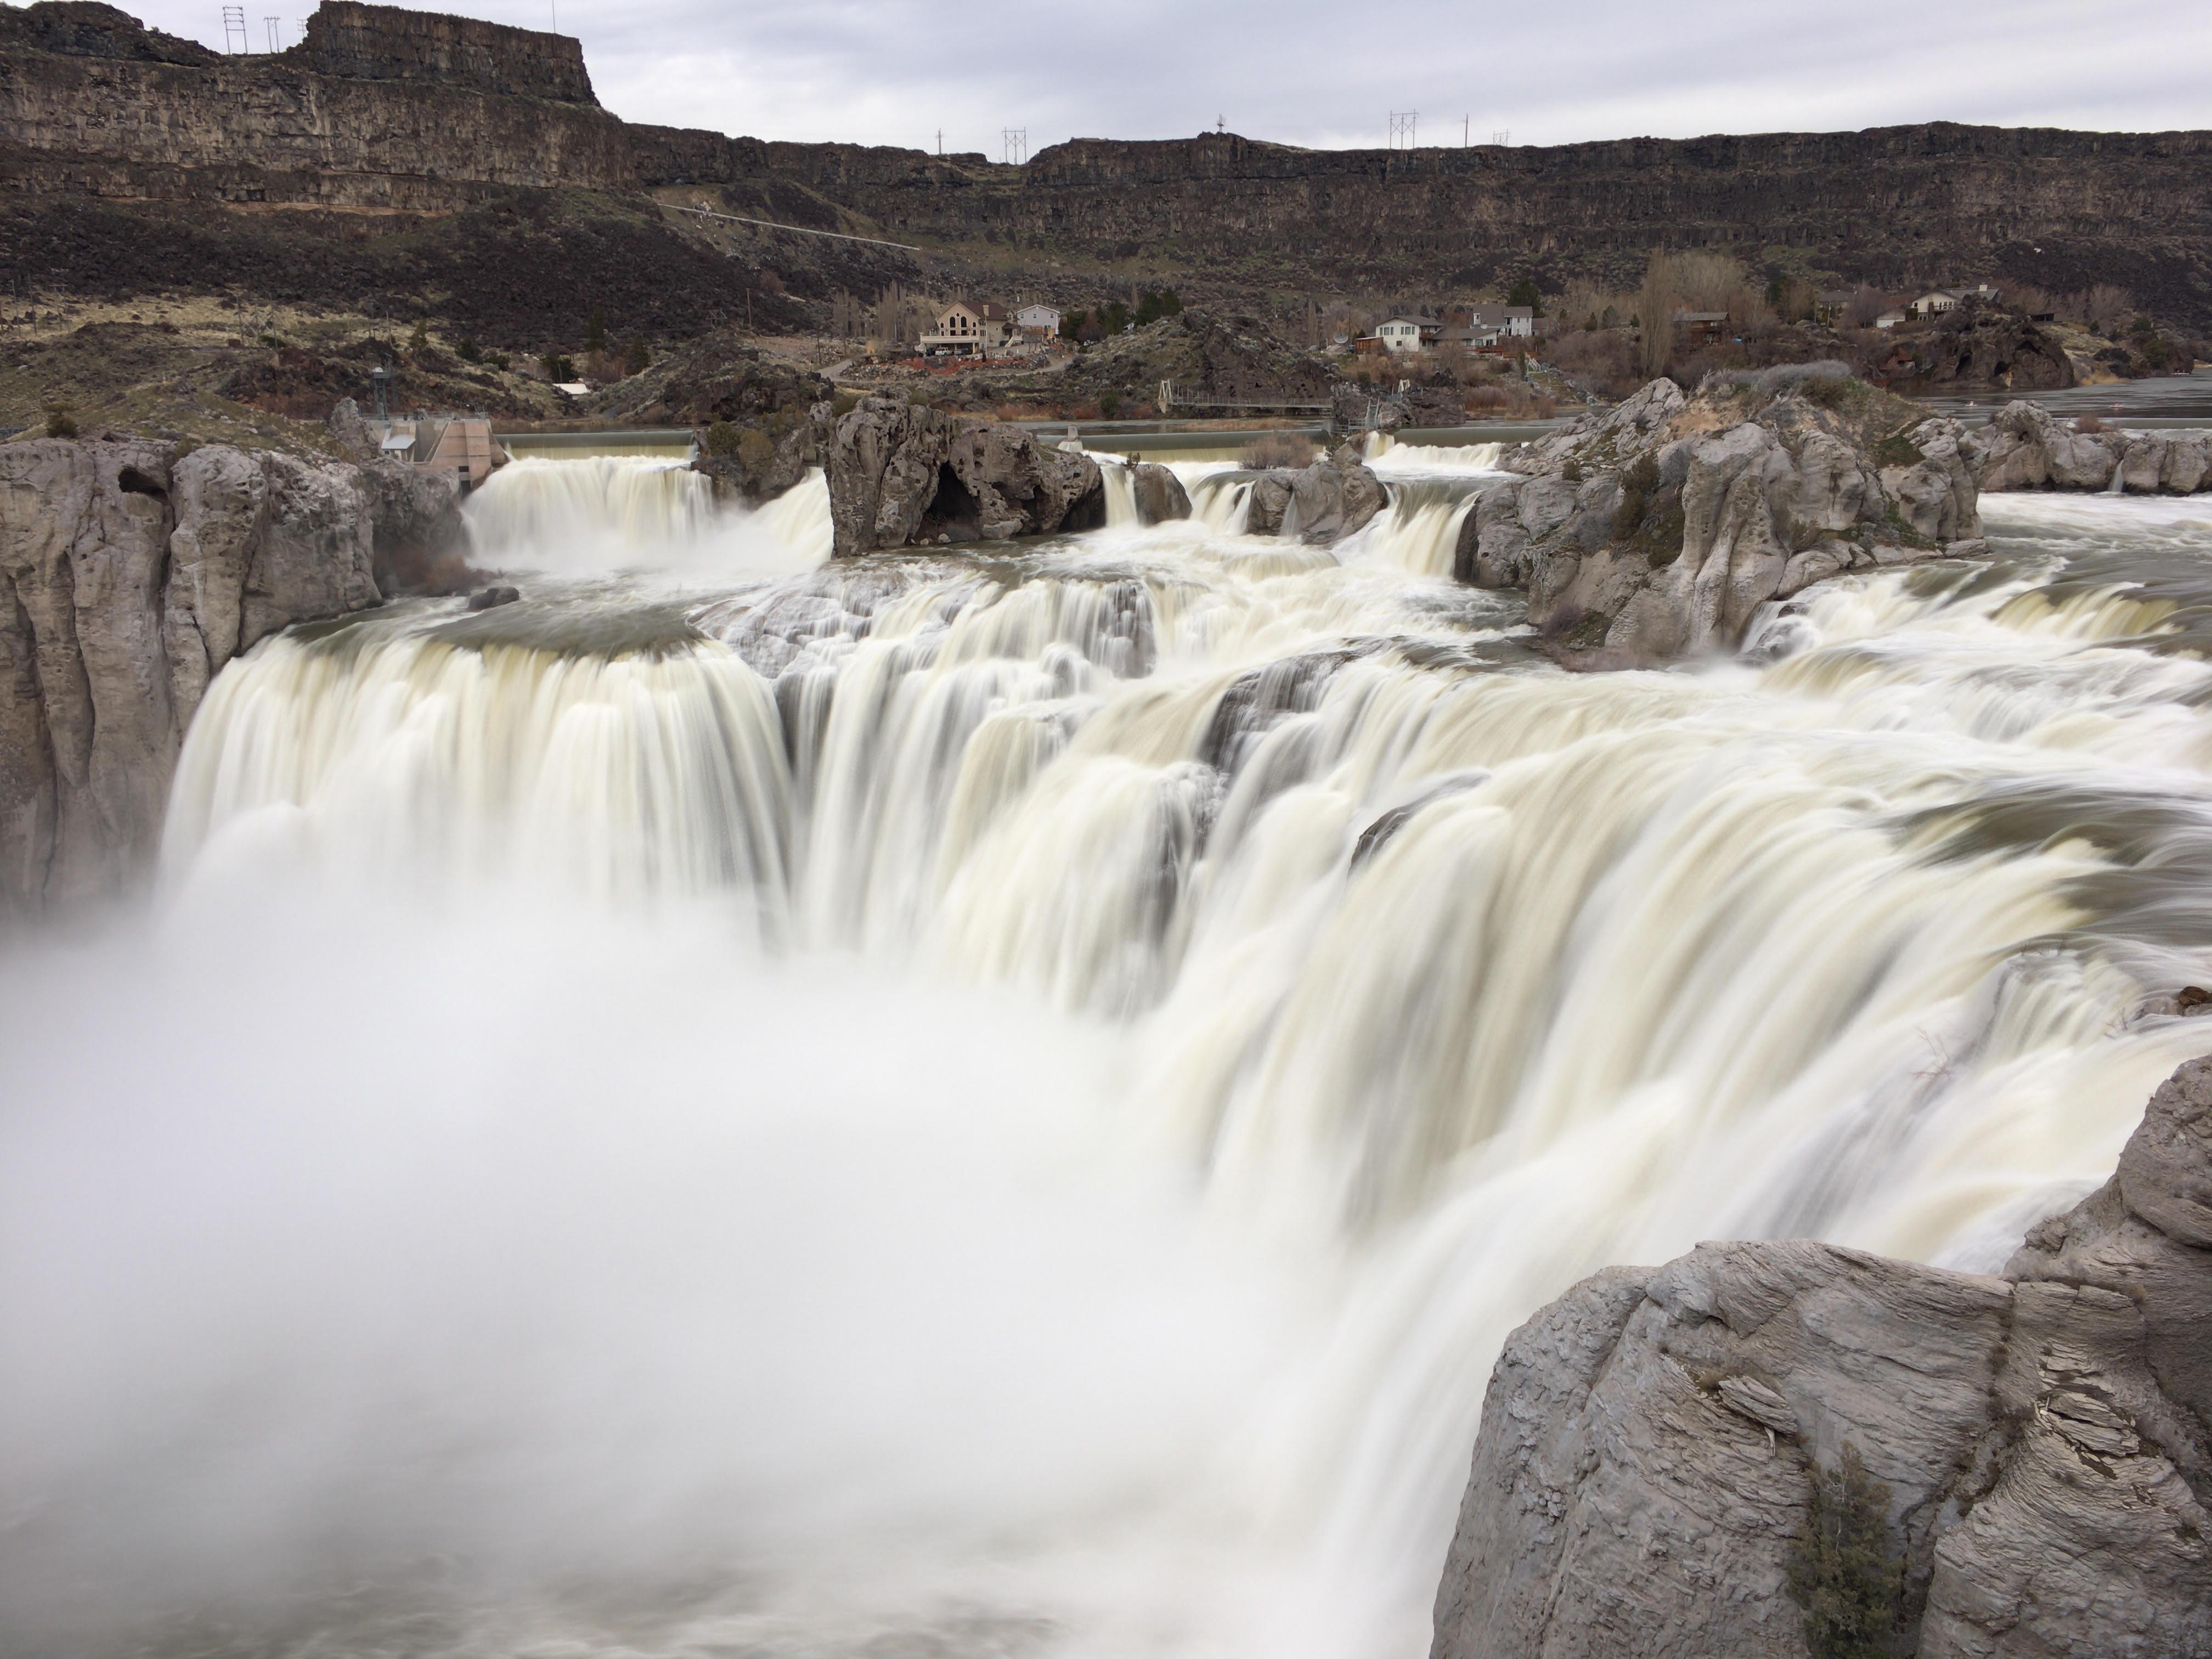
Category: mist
[471,1266]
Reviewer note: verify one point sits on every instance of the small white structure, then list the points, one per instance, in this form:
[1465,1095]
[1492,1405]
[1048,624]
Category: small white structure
[965,330]
[1889,319]
[1038,318]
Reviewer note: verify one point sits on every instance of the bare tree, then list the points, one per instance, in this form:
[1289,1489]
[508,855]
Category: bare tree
[1865,305]
[2107,307]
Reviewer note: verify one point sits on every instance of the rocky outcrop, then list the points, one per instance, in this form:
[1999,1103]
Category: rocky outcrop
[902,475]
[1647,1440]
[1160,494]
[1319,504]
[390,43]
[1981,345]
[1657,529]
[2026,447]
[129,576]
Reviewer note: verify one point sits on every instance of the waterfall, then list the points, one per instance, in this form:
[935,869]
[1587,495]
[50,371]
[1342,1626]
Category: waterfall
[1121,484]
[1418,532]
[1193,998]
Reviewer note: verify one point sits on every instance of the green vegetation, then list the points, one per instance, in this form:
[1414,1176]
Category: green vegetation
[1844,1568]
[1153,307]
[557,366]
[721,439]
[1525,292]
[419,341]
[1637,485]
[1898,449]
[1110,403]
[595,329]
[60,424]
[468,351]
[638,359]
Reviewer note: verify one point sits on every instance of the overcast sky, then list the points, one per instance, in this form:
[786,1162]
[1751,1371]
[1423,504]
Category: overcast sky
[1305,72]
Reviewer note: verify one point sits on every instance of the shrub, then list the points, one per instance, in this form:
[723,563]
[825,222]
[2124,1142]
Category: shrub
[2087,423]
[1276,449]
[755,451]
[60,424]
[468,351]
[497,359]
[844,402]
[1637,486]
[595,329]
[557,366]
[419,341]
[639,359]
[721,439]
[1844,1568]
[1110,404]
[1153,307]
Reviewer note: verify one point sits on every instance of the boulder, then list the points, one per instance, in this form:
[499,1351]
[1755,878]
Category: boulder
[1657,529]
[903,475]
[1648,1441]
[1320,503]
[135,575]
[421,537]
[1160,494]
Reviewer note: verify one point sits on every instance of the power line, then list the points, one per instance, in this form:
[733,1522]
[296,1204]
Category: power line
[233,28]
[1401,127]
[1015,140]
[802,230]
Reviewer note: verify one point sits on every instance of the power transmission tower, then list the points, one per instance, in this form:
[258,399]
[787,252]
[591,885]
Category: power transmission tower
[233,28]
[275,26]
[1016,142]
[1465,121]
[1503,136]
[1401,126]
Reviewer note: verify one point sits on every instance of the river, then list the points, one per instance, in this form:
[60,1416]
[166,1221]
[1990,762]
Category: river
[1002,1103]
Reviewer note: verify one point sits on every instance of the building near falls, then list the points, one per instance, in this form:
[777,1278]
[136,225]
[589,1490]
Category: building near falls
[968,328]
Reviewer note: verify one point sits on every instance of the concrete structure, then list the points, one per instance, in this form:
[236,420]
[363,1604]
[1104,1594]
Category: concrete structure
[460,445]
[1889,319]
[968,330]
[1041,321]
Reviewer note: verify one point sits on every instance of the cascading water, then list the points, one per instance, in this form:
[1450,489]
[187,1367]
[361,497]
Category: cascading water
[1217,988]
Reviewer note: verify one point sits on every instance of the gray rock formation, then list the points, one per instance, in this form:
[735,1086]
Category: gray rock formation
[1160,493]
[131,575]
[2025,447]
[1647,1440]
[1656,529]
[1320,503]
[903,476]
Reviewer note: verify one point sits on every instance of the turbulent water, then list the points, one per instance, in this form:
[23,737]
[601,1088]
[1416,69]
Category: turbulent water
[1004,1103]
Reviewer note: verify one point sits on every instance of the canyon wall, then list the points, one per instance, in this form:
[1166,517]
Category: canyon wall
[387,110]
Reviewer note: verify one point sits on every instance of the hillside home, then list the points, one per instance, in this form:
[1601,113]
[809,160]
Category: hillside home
[1934,302]
[1405,334]
[968,330]
[1702,325]
[1042,321]
[1518,320]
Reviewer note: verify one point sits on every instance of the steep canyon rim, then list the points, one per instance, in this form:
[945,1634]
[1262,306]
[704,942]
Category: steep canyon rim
[634,1140]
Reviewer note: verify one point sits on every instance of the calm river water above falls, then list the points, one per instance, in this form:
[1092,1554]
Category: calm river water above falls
[1003,1103]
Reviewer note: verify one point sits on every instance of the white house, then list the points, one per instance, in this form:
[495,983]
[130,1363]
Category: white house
[1935,303]
[1039,319]
[966,330]
[1406,334]
[1519,320]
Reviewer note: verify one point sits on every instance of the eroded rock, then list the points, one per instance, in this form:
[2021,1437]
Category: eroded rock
[1648,1439]
[901,476]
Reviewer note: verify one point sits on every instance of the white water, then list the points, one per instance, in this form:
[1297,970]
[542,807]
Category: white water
[1215,988]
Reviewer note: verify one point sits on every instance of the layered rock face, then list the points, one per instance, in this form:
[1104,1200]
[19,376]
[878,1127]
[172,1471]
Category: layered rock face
[2024,448]
[389,43]
[1648,1439]
[129,576]
[1657,529]
[901,476]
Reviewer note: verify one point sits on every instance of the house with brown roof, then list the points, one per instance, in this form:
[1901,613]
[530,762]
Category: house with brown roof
[966,329]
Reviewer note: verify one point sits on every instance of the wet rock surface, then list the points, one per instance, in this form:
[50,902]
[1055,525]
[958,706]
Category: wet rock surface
[1656,529]
[1648,1439]
[1160,494]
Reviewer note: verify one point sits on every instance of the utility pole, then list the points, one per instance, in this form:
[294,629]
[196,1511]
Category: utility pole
[1015,142]
[233,28]
[275,25]
[941,143]
[1401,126]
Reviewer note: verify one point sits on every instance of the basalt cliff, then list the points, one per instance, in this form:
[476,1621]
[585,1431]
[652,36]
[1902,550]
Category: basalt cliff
[424,161]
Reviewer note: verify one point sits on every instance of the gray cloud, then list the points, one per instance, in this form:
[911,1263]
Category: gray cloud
[1304,72]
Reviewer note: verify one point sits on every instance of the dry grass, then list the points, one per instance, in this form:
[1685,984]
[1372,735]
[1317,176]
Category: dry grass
[1290,449]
